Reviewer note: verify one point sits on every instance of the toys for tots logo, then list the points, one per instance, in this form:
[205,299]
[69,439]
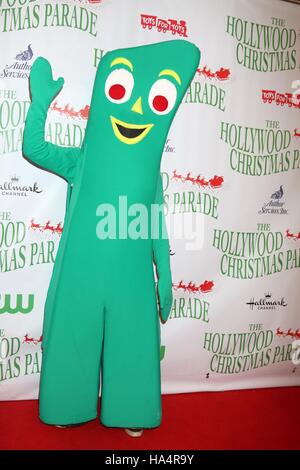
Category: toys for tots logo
[163,25]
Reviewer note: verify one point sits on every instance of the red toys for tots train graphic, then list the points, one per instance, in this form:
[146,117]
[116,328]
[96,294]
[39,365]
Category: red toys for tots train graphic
[281,99]
[162,25]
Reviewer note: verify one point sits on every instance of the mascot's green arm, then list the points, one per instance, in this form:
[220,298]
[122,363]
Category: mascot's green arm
[161,254]
[60,160]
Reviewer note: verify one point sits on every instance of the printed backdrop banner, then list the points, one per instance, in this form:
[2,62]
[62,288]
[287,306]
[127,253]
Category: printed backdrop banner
[230,172]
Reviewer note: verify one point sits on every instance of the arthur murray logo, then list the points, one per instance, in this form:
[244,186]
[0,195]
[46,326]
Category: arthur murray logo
[19,68]
[266,303]
[18,303]
[275,204]
[15,188]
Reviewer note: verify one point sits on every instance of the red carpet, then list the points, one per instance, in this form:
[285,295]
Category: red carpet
[248,419]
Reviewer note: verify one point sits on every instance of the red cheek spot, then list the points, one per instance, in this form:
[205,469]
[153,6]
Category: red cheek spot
[117,91]
[160,103]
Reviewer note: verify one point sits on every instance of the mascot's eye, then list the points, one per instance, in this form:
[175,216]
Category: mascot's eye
[162,96]
[119,85]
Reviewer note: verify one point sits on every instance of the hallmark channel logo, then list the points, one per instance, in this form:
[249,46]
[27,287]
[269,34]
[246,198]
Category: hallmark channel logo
[15,188]
[19,68]
[266,303]
[19,303]
[275,205]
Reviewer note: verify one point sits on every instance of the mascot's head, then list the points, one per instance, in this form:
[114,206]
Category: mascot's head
[137,92]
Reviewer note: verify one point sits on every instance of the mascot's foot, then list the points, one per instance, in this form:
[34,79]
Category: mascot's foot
[134,432]
[68,425]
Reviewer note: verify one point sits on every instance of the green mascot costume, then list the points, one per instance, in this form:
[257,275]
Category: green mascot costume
[101,312]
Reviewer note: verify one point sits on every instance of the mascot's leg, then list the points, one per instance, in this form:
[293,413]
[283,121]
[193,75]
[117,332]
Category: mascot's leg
[131,383]
[72,342]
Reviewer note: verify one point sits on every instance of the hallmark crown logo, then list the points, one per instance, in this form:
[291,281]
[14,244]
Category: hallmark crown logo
[14,178]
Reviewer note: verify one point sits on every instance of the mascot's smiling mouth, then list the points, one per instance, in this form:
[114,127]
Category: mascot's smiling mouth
[129,133]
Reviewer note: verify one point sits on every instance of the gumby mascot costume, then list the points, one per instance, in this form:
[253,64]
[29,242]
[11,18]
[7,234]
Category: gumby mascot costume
[102,308]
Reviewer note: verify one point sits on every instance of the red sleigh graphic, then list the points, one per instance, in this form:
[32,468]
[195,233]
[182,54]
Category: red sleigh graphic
[292,236]
[28,340]
[289,332]
[221,74]
[191,287]
[215,182]
[58,229]
[83,113]
[296,134]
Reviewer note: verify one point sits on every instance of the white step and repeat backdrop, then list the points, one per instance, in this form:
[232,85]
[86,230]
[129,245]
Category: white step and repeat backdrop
[230,172]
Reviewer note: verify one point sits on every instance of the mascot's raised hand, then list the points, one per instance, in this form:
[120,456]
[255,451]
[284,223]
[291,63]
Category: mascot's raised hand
[42,86]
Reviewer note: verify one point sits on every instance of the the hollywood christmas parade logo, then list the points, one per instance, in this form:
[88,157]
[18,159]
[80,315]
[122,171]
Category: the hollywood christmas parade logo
[20,356]
[191,192]
[253,255]
[255,151]
[255,347]
[65,125]
[263,47]
[205,87]
[191,300]
[13,113]
[20,248]
[19,15]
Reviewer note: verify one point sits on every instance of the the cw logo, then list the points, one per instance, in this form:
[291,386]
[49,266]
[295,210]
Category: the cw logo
[18,306]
